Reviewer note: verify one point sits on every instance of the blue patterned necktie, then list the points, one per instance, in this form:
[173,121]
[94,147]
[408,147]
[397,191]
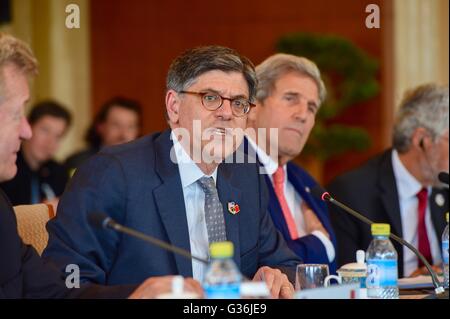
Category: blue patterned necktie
[215,222]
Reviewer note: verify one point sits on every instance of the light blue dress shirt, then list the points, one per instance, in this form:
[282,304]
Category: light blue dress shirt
[194,201]
[408,187]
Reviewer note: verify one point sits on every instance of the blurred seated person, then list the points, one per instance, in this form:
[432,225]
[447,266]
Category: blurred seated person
[117,122]
[401,186]
[40,178]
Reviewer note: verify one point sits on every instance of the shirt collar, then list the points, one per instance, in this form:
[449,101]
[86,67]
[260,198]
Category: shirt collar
[407,185]
[189,171]
[270,165]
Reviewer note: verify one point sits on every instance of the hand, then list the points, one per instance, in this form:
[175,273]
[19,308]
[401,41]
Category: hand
[312,223]
[155,286]
[424,271]
[276,281]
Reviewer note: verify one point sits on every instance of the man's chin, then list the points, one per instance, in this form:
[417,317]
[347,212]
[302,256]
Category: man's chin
[8,173]
[290,151]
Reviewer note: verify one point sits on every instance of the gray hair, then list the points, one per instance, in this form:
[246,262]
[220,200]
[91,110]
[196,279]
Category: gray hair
[425,106]
[16,52]
[187,67]
[279,64]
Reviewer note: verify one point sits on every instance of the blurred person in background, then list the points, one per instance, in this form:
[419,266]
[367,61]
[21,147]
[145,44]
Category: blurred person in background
[39,177]
[401,186]
[118,121]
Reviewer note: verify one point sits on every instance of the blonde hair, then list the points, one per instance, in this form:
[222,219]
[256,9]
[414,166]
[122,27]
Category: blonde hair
[16,52]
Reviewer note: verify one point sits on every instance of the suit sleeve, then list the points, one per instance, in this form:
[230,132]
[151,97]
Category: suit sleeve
[310,248]
[40,280]
[98,186]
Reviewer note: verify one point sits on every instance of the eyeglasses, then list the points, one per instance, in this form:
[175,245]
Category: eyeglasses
[213,101]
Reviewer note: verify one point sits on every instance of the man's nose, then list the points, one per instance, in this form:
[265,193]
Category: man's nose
[301,111]
[225,111]
[25,129]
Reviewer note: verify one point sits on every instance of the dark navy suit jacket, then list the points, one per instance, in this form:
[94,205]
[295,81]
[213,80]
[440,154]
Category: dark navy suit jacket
[308,247]
[371,189]
[139,186]
[24,275]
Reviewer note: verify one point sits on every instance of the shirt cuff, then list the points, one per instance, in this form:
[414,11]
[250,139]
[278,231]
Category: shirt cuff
[327,243]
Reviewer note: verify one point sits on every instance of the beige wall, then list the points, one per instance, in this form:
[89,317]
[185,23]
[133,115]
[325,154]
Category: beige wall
[64,58]
[420,43]
[420,40]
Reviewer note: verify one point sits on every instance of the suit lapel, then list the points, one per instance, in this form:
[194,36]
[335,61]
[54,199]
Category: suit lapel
[228,193]
[389,194]
[170,201]
[438,207]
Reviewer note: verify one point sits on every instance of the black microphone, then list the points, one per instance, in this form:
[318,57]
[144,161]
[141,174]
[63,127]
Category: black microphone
[101,220]
[322,194]
[443,177]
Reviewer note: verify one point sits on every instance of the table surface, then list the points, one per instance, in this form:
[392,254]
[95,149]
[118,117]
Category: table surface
[419,294]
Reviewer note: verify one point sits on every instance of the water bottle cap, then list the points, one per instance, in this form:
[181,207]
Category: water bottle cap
[222,249]
[360,256]
[381,229]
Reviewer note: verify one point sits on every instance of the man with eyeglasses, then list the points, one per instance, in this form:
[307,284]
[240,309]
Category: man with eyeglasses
[178,186]
[22,272]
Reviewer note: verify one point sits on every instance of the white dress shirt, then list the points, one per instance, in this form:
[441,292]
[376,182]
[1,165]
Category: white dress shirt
[408,187]
[194,201]
[293,199]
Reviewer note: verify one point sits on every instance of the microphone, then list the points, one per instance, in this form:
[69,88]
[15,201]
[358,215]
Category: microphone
[101,220]
[322,194]
[443,178]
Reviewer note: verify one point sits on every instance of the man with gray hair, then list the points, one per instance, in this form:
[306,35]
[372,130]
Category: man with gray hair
[290,92]
[176,186]
[401,186]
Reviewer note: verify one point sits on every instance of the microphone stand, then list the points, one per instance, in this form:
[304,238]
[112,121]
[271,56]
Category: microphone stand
[109,223]
[438,289]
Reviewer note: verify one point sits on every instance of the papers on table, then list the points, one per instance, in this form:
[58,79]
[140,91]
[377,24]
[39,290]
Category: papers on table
[418,282]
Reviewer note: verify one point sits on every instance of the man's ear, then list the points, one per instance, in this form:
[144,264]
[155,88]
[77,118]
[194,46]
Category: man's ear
[252,115]
[421,138]
[173,106]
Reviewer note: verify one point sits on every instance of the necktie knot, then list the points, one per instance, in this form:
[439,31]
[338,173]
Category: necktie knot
[422,195]
[278,176]
[207,184]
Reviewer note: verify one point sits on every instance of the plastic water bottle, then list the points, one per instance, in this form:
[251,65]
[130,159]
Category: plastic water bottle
[382,272]
[222,278]
[445,253]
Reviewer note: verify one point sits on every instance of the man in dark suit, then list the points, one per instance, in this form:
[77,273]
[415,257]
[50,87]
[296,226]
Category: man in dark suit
[176,186]
[22,273]
[400,186]
[289,94]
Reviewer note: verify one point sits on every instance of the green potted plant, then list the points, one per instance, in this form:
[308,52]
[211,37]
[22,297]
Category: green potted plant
[349,74]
